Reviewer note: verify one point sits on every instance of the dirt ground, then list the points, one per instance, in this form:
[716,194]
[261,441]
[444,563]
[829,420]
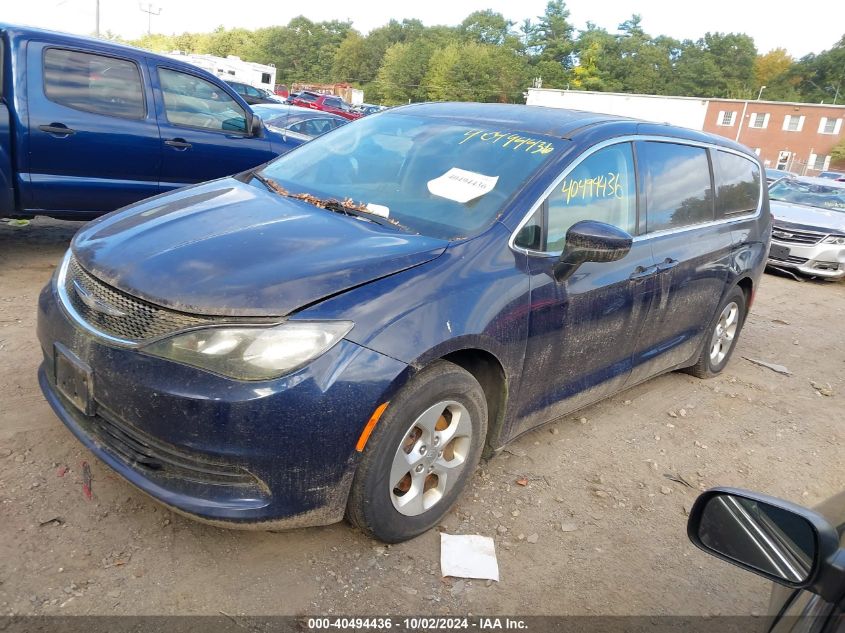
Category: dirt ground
[598,529]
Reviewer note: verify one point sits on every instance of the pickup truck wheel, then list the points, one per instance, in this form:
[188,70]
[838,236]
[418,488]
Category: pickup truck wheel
[720,341]
[421,454]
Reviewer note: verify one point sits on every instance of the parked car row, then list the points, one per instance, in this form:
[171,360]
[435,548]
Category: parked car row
[325,103]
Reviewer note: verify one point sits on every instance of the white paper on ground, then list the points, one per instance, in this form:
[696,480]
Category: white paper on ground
[468,556]
[461,185]
[378,209]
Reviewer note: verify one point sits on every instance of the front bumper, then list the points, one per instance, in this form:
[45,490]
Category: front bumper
[265,455]
[819,260]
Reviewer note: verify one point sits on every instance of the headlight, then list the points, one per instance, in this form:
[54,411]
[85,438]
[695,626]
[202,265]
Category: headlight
[252,353]
[834,239]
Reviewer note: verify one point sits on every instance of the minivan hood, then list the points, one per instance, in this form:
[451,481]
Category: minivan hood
[234,249]
[808,217]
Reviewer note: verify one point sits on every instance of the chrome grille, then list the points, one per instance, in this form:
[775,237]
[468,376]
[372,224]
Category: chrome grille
[796,236]
[120,315]
[790,259]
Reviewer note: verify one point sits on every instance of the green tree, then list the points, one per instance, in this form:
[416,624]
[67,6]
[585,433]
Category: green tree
[553,34]
[400,78]
[475,72]
[774,70]
[486,27]
[822,77]
[351,61]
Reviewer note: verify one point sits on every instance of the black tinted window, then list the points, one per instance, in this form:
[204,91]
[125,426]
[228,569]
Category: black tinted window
[93,83]
[676,179]
[737,183]
[195,102]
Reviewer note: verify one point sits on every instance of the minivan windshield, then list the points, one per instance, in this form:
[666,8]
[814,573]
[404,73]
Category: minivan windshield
[435,176]
[812,194]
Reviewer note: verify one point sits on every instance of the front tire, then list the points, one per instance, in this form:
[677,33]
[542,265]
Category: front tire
[721,336]
[421,454]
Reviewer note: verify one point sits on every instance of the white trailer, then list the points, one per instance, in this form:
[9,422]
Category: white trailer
[232,68]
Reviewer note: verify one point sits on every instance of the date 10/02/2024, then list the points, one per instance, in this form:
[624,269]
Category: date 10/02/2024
[479,623]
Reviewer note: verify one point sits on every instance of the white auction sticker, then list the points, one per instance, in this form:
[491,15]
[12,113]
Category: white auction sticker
[461,185]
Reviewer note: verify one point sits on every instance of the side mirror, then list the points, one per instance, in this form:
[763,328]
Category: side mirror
[772,538]
[591,241]
[255,125]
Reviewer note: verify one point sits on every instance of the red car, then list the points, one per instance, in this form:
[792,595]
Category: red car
[326,103]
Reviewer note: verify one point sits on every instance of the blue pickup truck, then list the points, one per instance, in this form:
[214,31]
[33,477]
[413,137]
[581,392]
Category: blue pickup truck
[87,126]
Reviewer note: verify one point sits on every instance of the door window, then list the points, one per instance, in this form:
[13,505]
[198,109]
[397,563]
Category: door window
[602,187]
[94,83]
[195,102]
[676,179]
[737,183]
[317,127]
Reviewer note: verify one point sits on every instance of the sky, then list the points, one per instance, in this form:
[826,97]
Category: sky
[798,31]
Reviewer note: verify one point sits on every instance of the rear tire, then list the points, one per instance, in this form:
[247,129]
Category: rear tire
[421,454]
[721,337]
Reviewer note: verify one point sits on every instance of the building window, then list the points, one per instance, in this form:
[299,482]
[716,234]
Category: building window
[830,126]
[726,119]
[265,78]
[759,120]
[817,162]
[793,123]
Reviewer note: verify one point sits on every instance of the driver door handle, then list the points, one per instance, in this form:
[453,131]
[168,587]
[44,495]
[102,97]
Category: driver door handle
[57,128]
[178,143]
[667,264]
[641,272]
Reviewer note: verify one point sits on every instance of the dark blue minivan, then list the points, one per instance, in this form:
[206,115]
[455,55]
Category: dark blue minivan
[346,330]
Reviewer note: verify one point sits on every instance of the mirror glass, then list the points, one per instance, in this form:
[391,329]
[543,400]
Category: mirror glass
[773,541]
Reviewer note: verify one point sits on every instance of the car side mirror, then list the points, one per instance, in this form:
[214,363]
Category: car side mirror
[778,540]
[255,125]
[591,241]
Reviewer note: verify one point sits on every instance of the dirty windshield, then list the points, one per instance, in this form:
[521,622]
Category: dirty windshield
[812,194]
[434,176]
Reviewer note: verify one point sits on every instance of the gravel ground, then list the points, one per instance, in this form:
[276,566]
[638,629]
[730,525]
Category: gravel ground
[598,529]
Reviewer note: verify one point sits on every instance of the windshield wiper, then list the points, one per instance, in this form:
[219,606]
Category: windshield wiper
[346,207]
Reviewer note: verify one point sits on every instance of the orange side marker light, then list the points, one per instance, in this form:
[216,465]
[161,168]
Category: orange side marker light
[365,434]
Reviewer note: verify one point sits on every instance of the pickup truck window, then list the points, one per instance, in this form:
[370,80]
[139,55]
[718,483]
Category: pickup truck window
[195,102]
[93,83]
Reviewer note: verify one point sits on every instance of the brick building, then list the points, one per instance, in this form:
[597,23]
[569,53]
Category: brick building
[794,136]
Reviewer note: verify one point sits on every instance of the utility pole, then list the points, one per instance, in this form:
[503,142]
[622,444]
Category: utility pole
[150,13]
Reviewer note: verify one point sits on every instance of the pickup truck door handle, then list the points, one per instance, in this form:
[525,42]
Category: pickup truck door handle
[57,128]
[667,264]
[641,272]
[179,144]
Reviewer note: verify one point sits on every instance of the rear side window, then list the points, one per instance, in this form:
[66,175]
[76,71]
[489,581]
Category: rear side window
[195,102]
[676,180]
[737,183]
[94,83]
